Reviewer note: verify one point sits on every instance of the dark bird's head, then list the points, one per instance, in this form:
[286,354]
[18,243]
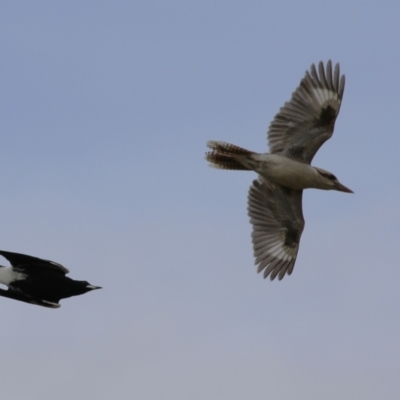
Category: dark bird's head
[329,181]
[57,290]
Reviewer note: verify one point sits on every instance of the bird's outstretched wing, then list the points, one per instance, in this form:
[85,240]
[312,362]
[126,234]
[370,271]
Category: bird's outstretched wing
[23,262]
[307,121]
[15,295]
[277,218]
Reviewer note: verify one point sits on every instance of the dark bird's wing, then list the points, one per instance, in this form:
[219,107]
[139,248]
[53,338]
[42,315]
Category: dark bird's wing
[277,218]
[307,121]
[16,295]
[23,262]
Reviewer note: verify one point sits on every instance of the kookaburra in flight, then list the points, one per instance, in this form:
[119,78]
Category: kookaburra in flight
[299,129]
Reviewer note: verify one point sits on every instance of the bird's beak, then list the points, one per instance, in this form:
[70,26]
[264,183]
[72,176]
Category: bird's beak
[92,287]
[342,188]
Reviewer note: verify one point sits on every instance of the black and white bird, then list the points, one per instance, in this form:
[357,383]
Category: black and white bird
[299,129]
[36,281]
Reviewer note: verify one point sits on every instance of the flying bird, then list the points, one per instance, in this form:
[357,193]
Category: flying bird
[36,281]
[296,133]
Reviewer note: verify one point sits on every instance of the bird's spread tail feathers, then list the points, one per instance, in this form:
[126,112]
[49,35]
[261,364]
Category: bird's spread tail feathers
[225,155]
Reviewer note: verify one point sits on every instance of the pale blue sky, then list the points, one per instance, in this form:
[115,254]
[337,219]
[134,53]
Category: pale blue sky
[106,107]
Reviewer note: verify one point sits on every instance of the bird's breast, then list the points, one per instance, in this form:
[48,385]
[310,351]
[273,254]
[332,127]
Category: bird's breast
[286,172]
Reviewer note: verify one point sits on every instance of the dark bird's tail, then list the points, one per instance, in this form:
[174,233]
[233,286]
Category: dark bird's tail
[225,155]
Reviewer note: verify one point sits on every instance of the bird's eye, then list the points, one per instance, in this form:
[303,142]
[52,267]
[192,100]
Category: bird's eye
[332,177]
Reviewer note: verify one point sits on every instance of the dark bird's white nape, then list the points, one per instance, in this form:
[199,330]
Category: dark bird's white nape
[37,281]
[299,129]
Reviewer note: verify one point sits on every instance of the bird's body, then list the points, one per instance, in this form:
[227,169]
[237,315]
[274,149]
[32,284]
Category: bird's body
[279,169]
[38,281]
[283,171]
[275,199]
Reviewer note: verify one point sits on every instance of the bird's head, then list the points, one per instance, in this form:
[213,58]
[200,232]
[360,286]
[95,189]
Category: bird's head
[330,182]
[84,287]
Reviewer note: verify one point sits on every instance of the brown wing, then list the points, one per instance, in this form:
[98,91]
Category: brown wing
[307,121]
[277,218]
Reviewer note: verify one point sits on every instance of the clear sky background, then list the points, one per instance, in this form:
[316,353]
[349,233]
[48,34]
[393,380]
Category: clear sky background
[106,107]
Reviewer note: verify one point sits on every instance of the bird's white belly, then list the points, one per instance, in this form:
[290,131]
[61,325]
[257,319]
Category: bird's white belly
[286,172]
